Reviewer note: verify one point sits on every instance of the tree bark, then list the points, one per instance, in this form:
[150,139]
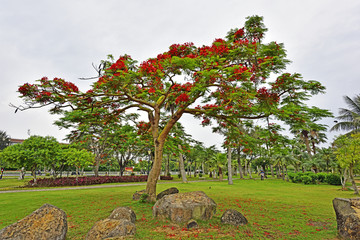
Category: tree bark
[351,171]
[154,172]
[167,166]
[230,180]
[344,179]
[182,166]
[272,171]
[249,169]
[96,167]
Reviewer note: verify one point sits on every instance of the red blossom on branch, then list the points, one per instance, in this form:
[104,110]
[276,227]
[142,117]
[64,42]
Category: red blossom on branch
[182,98]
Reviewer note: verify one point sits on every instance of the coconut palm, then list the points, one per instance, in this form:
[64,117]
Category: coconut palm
[349,119]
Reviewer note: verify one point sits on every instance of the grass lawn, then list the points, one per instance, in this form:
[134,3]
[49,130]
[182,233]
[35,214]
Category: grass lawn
[274,208]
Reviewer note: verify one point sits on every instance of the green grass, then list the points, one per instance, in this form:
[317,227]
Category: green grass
[275,210]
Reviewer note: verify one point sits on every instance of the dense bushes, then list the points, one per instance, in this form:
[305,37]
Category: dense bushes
[71,181]
[166,178]
[313,178]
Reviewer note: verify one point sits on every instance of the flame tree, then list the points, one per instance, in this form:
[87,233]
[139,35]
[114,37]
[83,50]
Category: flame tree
[226,81]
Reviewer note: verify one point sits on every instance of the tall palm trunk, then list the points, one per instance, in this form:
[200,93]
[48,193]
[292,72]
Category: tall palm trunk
[182,166]
[230,180]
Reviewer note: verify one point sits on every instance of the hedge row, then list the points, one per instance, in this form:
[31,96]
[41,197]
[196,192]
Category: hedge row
[166,178]
[71,181]
[314,178]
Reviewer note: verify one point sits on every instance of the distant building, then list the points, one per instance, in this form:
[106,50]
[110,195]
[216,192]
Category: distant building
[14,141]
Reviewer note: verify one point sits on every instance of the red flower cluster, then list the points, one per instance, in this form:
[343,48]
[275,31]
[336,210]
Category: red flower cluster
[143,127]
[65,86]
[150,66]
[120,64]
[239,34]
[238,72]
[181,50]
[184,87]
[182,98]
[210,106]
[205,122]
[27,89]
[281,80]
[264,94]
[219,47]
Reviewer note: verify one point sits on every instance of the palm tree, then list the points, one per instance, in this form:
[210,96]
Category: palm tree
[4,140]
[349,119]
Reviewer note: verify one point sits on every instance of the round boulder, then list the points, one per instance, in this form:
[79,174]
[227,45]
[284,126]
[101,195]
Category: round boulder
[137,194]
[233,217]
[347,212]
[168,191]
[47,222]
[111,228]
[192,224]
[123,213]
[181,207]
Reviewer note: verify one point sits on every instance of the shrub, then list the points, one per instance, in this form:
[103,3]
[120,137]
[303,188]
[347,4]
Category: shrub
[71,181]
[321,177]
[166,178]
[298,178]
[143,198]
[333,179]
[292,176]
[179,175]
[313,177]
[306,179]
[200,175]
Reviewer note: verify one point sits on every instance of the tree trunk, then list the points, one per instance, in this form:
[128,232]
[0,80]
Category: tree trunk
[195,166]
[272,171]
[220,174]
[230,180]
[249,169]
[155,171]
[181,166]
[167,166]
[33,173]
[246,168]
[351,171]
[22,174]
[240,169]
[286,172]
[77,173]
[96,167]
[344,179]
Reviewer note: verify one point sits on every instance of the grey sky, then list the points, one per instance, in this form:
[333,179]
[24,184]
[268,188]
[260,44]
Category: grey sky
[63,38]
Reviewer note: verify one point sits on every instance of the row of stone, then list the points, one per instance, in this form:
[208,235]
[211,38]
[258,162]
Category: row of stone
[50,223]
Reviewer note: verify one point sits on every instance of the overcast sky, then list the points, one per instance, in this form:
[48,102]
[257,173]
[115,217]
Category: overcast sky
[63,38]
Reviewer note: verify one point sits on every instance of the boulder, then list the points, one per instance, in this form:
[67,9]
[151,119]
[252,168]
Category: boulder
[348,217]
[233,217]
[123,213]
[181,207]
[192,224]
[168,191]
[137,194]
[47,222]
[111,229]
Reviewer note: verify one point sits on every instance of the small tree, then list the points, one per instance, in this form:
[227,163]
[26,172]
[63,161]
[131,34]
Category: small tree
[33,152]
[348,154]
[77,158]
